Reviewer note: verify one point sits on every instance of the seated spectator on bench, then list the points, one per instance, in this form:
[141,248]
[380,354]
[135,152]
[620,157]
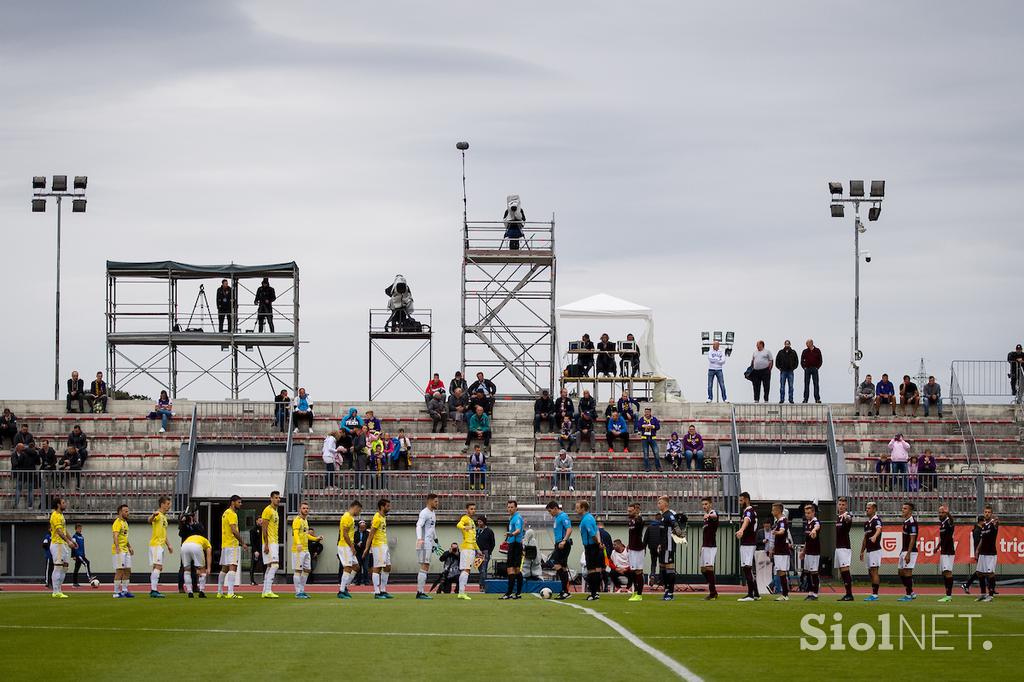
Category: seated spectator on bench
[674,451]
[629,363]
[303,411]
[587,404]
[80,443]
[76,392]
[566,434]
[479,428]
[24,437]
[371,421]
[865,395]
[647,428]
[693,449]
[585,356]
[885,392]
[8,426]
[932,396]
[926,471]
[564,407]
[563,474]
[605,357]
[458,381]
[404,451]
[24,461]
[97,394]
[490,391]
[162,411]
[433,386]
[617,428]
[351,422]
[625,406]
[282,403]
[544,411]
[438,411]
[609,408]
[458,406]
[585,430]
[478,399]
[47,456]
[909,395]
[477,469]
[883,467]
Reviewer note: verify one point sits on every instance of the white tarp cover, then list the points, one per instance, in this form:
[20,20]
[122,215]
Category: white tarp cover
[606,306]
[251,474]
[785,477]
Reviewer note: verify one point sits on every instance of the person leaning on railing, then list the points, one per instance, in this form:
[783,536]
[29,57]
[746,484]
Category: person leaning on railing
[1016,360]
[926,468]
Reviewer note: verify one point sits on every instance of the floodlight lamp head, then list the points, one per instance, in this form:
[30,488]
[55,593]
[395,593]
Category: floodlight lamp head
[878,188]
[856,188]
[59,183]
[462,146]
[874,212]
[835,188]
[838,210]
[78,205]
[38,182]
[81,182]
[730,337]
[39,205]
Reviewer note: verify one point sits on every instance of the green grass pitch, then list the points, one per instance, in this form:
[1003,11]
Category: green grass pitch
[178,638]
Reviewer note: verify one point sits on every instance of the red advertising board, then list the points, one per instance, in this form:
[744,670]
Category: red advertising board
[1010,544]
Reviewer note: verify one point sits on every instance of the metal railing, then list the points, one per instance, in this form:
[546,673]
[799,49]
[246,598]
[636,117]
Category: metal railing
[236,409]
[838,464]
[987,379]
[958,401]
[490,235]
[86,491]
[773,423]
[966,494]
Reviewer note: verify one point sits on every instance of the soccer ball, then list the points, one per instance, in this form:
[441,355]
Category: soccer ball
[95,582]
[545,593]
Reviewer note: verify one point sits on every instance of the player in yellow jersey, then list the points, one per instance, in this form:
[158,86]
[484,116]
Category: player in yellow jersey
[467,548]
[347,548]
[121,551]
[377,544]
[157,543]
[61,545]
[301,561]
[230,552]
[269,522]
[197,552]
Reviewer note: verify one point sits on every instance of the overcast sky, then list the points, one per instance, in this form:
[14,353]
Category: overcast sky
[684,148]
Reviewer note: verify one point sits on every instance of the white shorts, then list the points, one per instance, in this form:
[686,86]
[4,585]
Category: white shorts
[986,563]
[229,556]
[347,556]
[781,562]
[301,561]
[423,554]
[122,560]
[636,559]
[466,559]
[60,554]
[874,558]
[746,555]
[707,556]
[381,556]
[843,557]
[811,562]
[156,555]
[907,564]
[192,555]
[272,555]
[946,563]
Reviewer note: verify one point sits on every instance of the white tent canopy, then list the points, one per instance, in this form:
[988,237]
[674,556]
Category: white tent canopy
[605,306]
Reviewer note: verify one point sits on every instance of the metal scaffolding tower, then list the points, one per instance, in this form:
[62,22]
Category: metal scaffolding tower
[508,306]
[148,334]
[386,339]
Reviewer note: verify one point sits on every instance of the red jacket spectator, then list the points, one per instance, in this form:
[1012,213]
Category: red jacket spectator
[433,386]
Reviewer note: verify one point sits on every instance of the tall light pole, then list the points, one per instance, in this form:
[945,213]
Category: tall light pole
[856,197]
[58,190]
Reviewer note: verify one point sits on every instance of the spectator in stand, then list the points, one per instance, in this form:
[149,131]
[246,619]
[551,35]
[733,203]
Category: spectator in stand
[786,362]
[899,454]
[478,399]
[810,361]
[1016,360]
[932,396]
[485,547]
[80,443]
[433,386]
[629,363]
[620,570]
[865,394]
[674,451]
[625,406]
[265,297]
[693,448]
[345,451]
[585,357]
[359,540]
[585,430]
[24,437]
[163,410]
[716,370]
[224,308]
[24,461]
[332,459]
[927,467]
[351,422]
[883,467]
[605,357]
[488,388]
[303,409]
[8,426]
[647,427]
[361,454]
[609,408]
[97,393]
[564,407]
[76,392]
[544,411]
[477,469]
[563,475]
[761,364]
[479,428]
[912,480]
[885,392]
[377,459]
[438,411]
[587,404]
[617,428]
[567,434]
[404,451]
[47,456]
[458,406]
[457,382]
[909,396]
[372,422]
[282,403]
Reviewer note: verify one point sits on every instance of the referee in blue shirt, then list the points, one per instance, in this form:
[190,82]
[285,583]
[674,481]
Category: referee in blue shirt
[514,537]
[593,550]
[563,544]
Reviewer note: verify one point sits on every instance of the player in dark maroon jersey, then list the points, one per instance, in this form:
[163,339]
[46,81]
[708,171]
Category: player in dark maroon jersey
[810,555]
[844,521]
[947,550]
[635,550]
[872,545]
[908,552]
[709,547]
[987,554]
[781,550]
[747,535]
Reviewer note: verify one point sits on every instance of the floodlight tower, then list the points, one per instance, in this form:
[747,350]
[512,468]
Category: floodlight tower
[856,197]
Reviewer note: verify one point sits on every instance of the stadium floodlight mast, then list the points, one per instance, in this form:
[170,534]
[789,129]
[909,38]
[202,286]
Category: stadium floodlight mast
[856,197]
[58,190]
[462,147]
